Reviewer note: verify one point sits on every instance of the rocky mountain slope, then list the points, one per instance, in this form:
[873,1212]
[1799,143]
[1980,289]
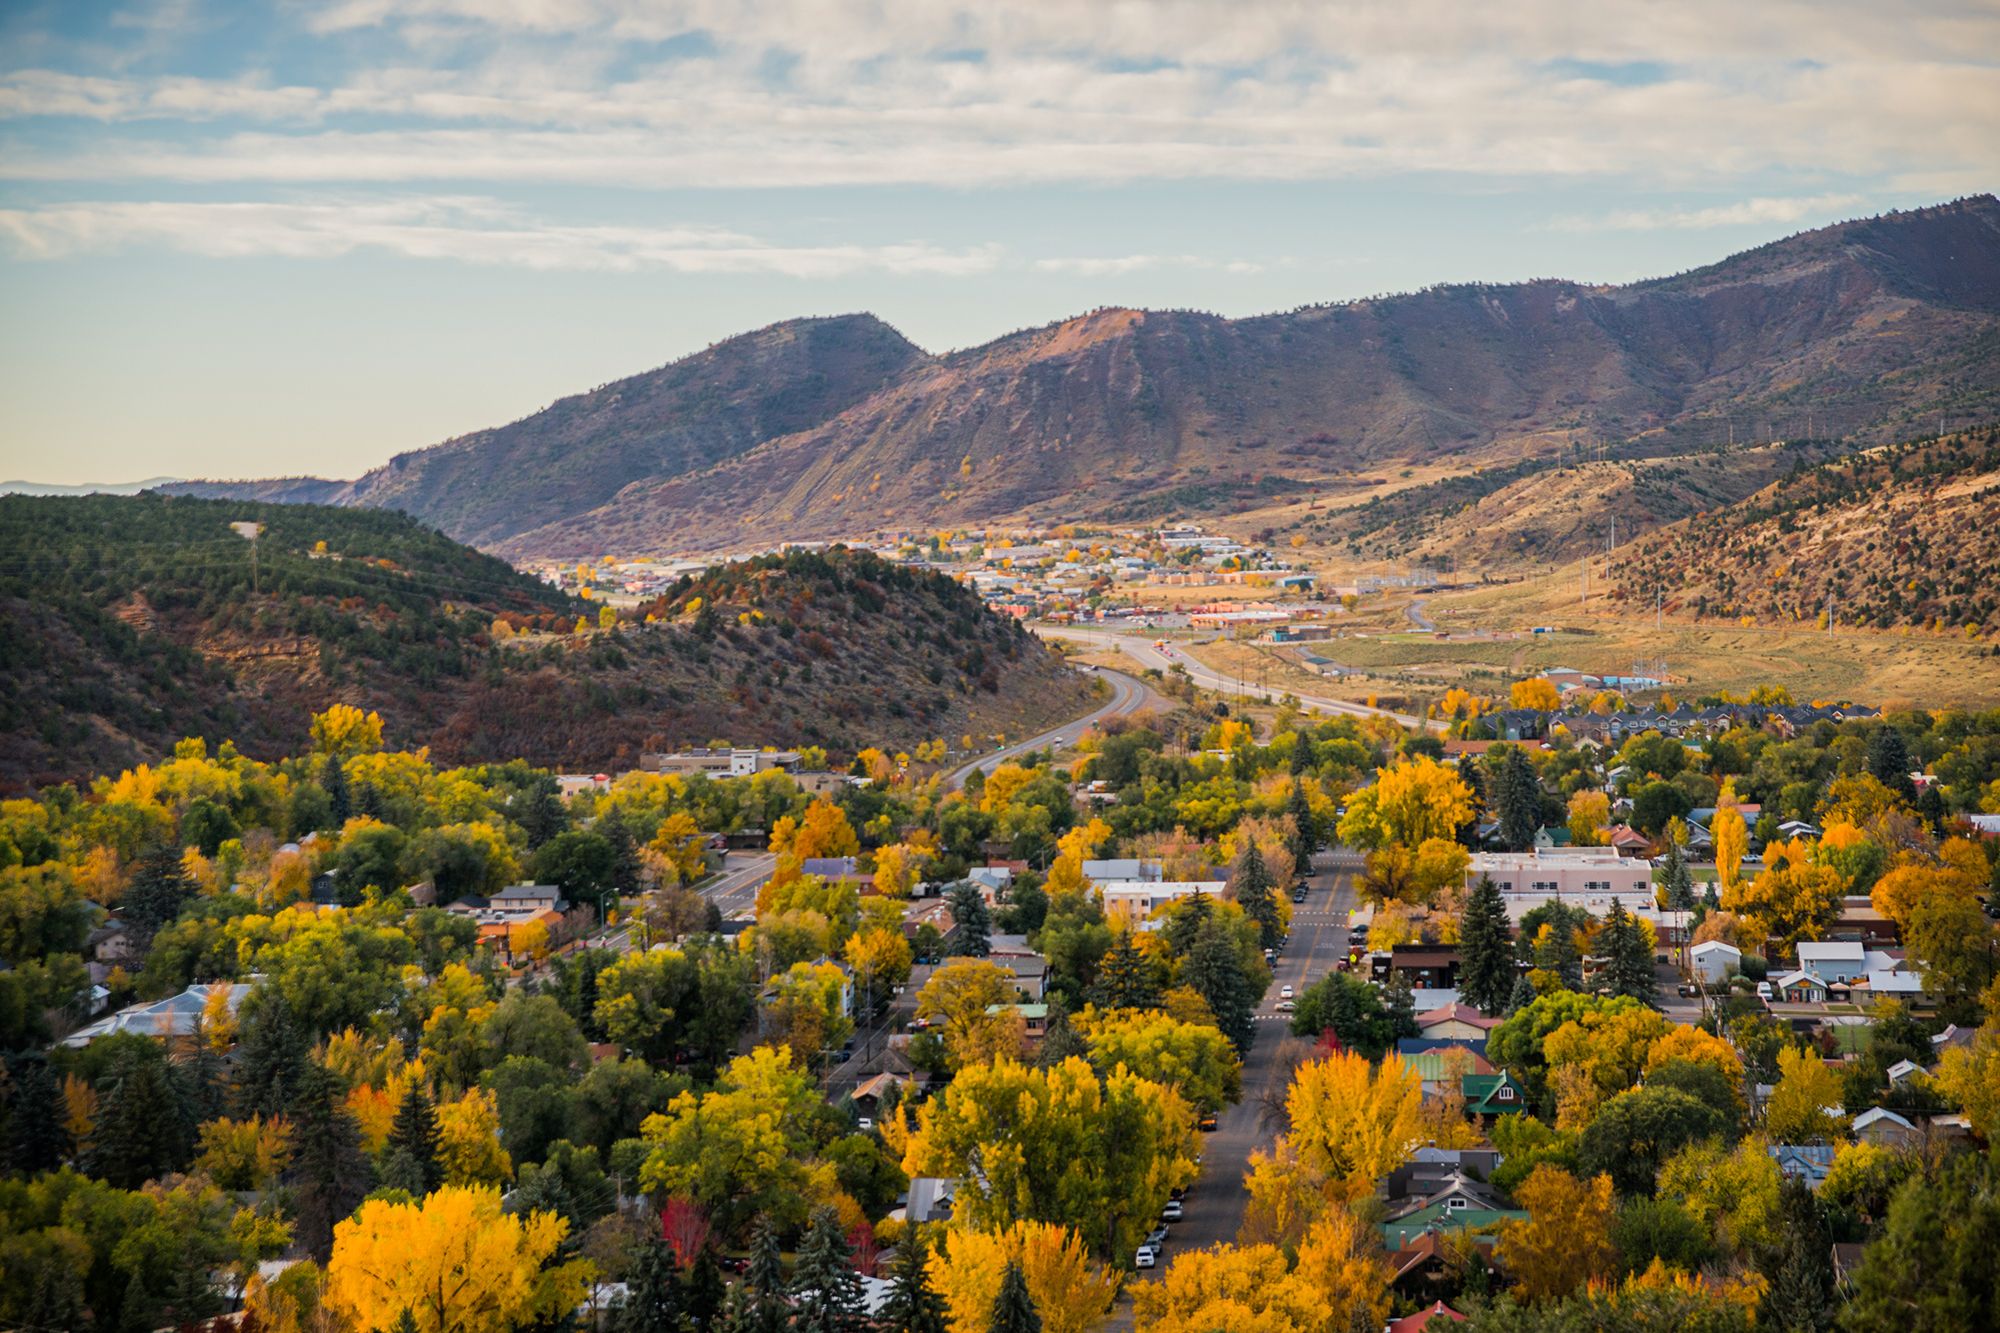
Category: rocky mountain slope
[128,623]
[1902,535]
[1857,331]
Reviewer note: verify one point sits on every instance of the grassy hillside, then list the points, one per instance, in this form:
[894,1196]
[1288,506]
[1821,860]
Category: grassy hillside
[127,623]
[1899,536]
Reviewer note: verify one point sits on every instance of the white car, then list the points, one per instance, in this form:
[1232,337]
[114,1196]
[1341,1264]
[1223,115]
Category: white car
[1147,1257]
[1764,991]
[864,1124]
[1286,1007]
[1284,992]
[1172,1212]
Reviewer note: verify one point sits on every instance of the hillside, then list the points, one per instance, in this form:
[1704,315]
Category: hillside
[1537,512]
[840,428]
[127,623]
[1902,535]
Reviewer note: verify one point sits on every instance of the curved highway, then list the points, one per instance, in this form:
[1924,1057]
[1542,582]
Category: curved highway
[1127,696]
[1142,651]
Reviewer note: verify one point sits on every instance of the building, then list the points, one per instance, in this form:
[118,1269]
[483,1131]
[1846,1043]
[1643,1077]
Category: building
[1458,1022]
[718,763]
[1424,966]
[1809,1162]
[1135,900]
[175,1016]
[1461,1203]
[1490,1095]
[1884,1128]
[1122,868]
[1436,1313]
[1834,960]
[1564,872]
[1715,961]
[503,917]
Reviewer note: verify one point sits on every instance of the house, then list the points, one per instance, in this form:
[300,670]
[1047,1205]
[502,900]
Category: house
[838,870]
[718,763]
[868,1093]
[1430,966]
[1031,973]
[1833,960]
[1628,841]
[1800,987]
[1461,1022]
[1461,1203]
[1953,1038]
[1714,961]
[505,915]
[1432,1169]
[1903,1071]
[1412,1323]
[1437,1063]
[1804,1161]
[1034,1019]
[175,1016]
[1884,1128]
[1897,984]
[1490,1095]
[1137,899]
[929,1199]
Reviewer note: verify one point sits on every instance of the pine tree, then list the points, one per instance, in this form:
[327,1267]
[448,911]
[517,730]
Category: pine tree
[1486,948]
[1710,900]
[1889,761]
[703,1289]
[652,1291]
[1629,963]
[1557,953]
[1014,1309]
[141,1131]
[1679,881]
[1254,895]
[1305,827]
[826,1291]
[1474,779]
[913,1306]
[1060,1039]
[764,1308]
[974,936]
[1523,996]
[1518,799]
[271,1056]
[35,1139]
[1125,978]
[1400,1007]
[159,888]
[1185,920]
[339,800]
[1215,969]
[1302,754]
[415,1132]
[1799,1267]
[328,1175]
[400,1171]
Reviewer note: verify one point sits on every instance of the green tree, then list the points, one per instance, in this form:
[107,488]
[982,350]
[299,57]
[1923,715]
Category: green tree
[1518,800]
[1352,1010]
[1635,1132]
[328,1174]
[973,937]
[415,1133]
[913,1305]
[1931,1269]
[1014,1309]
[581,864]
[159,888]
[1799,1266]
[141,1132]
[767,1310]
[826,1291]
[1125,977]
[652,1291]
[1889,761]
[1486,949]
[1254,894]
[1214,968]
[1629,962]
[1678,879]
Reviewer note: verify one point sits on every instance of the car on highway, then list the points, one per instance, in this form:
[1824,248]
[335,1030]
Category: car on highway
[1147,1257]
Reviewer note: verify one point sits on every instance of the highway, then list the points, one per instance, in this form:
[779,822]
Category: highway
[1127,696]
[1142,651]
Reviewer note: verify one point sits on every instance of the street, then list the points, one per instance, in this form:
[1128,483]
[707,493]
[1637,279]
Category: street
[1140,649]
[1127,696]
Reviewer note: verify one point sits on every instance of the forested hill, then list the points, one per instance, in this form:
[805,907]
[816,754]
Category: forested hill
[127,623]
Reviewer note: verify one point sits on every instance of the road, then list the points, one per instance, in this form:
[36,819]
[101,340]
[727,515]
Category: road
[1319,939]
[734,889]
[1415,611]
[1127,696]
[1142,651]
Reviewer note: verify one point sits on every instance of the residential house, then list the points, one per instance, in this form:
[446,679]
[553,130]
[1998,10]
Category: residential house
[1034,1019]
[1437,1312]
[1884,1128]
[505,915]
[1804,1161]
[1833,960]
[929,1199]
[176,1016]
[1903,1071]
[1715,961]
[1460,1022]
[1461,1203]
[1800,987]
[1491,1095]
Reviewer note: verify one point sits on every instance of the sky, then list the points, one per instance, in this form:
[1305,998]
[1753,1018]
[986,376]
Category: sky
[299,237]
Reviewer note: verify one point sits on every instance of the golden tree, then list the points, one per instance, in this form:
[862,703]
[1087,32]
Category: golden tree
[1411,800]
[1566,1241]
[455,1262]
[1732,839]
[1535,693]
[1072,1294]
[1353,1123]
[1806,1104]
[469,1140]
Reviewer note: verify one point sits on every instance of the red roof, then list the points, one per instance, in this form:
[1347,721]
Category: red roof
[1463,1013]
[1410,1323]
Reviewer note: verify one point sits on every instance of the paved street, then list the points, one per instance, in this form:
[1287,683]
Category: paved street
[1319,938]
[1139,647]
[1127,696]
[734,889]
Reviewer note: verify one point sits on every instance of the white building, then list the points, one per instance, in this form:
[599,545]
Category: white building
[1565,872]
[1714,961]
[1136,899]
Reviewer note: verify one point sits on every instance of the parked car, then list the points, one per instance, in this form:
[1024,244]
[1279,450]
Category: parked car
[1764,991]
[865,1125]
[1156,1238]
[1173,1212]
[1147,1257]
[1177,1192]
[1689,990]
[1206,1123]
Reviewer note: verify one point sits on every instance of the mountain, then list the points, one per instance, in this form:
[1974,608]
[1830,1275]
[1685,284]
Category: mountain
[1900,535]
[86,488]
[128,623]
[840,427]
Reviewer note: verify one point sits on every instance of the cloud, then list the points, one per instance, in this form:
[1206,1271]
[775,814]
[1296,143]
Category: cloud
[1114,265]
[1745,213]
[465,229]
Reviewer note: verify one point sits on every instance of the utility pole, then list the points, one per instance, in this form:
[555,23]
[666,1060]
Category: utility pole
[1659,608]
[1829,615]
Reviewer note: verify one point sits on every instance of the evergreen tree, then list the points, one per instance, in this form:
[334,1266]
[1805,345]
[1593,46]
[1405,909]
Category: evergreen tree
[703,1289]
[1710,900]
[1523,996]
[159,888]
[1475,780]
[1184,922]
[1125,978]
[339,800]
[1400,1005]
[1799,1266]
[400,1171]
[826,1291]
[764,1309]
[199,1079]
[1930,805]
[974,936]
[738,1311]
[652,1291]
[913,1306]
[1254,895]
[141,1130]
[1014,1309]
[271,1056]
[1486,948]
[1302,754]
[1556,952]
[1305,828]
[415,1132]
[1518,800]
[541,814]
[1060,1039]
[328,1175]
[35,1138]
[1214,968]
[1628,962]
[1679,881]
[1889,761]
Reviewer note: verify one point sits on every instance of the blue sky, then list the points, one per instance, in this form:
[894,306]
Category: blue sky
[299,237]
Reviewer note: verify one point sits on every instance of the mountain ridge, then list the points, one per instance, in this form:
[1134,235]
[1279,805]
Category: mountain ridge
[1855,330]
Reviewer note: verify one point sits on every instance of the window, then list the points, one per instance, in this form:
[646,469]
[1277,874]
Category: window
[1454,1205]
[1506,1093]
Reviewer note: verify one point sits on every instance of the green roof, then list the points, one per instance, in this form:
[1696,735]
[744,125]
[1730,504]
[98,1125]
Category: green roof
[1482,1094]
[1440,1218]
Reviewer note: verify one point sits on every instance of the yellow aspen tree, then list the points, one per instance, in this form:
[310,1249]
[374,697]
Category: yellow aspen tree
[1566,1241]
